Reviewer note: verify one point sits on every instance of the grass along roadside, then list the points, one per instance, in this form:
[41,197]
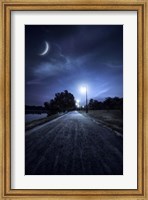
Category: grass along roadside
[37,122]
[110,118]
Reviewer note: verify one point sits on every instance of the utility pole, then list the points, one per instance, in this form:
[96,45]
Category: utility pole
[86,102]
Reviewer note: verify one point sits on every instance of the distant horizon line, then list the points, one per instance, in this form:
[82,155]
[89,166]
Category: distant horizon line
[101,100]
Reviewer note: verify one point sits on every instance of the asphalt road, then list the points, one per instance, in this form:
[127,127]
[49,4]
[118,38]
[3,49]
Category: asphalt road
[73,144]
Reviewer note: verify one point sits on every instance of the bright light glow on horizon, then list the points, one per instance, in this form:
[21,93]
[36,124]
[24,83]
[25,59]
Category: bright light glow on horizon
[78,103]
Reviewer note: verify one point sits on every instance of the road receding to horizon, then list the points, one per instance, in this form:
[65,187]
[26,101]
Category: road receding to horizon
[73,144]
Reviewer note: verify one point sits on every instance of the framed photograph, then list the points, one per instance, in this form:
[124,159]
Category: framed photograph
[73,99]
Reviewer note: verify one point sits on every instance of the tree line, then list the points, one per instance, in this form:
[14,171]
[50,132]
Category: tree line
[65,101]
[109,103]
[35,109]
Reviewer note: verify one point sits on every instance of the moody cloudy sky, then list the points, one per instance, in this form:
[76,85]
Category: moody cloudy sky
[74,56]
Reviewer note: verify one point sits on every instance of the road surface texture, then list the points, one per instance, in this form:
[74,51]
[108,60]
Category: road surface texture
[73,144]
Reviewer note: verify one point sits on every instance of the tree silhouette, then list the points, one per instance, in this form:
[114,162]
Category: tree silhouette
[109,103]
[62,102]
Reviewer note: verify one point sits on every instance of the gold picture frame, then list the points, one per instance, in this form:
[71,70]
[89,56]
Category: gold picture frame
[6,6]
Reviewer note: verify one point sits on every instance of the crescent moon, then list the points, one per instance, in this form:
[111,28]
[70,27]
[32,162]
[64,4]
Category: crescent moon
[46,49]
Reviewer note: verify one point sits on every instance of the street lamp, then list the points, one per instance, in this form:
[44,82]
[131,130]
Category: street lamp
[84,90]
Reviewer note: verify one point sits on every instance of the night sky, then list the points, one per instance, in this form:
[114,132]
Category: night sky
[78,55]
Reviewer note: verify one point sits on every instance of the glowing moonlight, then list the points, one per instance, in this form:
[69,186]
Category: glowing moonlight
[45,50]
